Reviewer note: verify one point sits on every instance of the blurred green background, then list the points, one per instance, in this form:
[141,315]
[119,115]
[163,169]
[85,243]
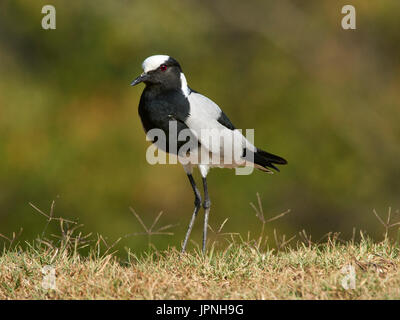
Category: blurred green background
[326,99]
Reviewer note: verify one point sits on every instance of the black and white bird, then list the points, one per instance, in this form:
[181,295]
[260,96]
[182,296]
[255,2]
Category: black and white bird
[167,97]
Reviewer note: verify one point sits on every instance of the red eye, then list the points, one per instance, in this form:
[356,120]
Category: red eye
[163,67]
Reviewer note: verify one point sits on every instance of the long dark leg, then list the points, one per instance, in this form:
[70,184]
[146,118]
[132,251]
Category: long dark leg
[206,205]
[197,205]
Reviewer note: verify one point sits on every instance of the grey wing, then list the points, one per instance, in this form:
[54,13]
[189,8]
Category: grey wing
[210,125]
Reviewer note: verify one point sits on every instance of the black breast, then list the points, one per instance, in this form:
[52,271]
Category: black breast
[158,108]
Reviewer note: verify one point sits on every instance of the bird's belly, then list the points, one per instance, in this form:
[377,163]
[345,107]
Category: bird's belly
[203,156]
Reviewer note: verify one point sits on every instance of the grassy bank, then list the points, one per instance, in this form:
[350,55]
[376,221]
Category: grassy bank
[240,271]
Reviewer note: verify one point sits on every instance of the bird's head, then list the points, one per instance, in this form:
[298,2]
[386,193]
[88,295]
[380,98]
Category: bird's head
[162,70]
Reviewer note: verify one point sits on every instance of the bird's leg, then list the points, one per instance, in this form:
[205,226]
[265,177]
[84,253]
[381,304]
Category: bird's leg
[197,205]
[206,206]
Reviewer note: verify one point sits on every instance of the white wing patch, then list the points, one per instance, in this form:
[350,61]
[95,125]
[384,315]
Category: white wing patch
[215,137]
[203,109]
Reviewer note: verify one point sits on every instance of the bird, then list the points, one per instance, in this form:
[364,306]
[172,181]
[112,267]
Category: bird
[167,99]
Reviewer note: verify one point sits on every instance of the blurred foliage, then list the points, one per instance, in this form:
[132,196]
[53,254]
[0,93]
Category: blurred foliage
[325,98]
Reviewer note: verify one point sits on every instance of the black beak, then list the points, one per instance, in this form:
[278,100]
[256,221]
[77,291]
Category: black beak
[143,77]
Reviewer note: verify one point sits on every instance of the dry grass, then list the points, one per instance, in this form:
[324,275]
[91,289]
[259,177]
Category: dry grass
[239,272]
[245,269]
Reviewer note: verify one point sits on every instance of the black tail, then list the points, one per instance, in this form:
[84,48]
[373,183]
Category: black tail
[267,160]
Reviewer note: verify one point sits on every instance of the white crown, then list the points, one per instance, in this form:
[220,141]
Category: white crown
[153,62]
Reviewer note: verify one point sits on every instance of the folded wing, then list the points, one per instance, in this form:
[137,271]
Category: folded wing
[214,130]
